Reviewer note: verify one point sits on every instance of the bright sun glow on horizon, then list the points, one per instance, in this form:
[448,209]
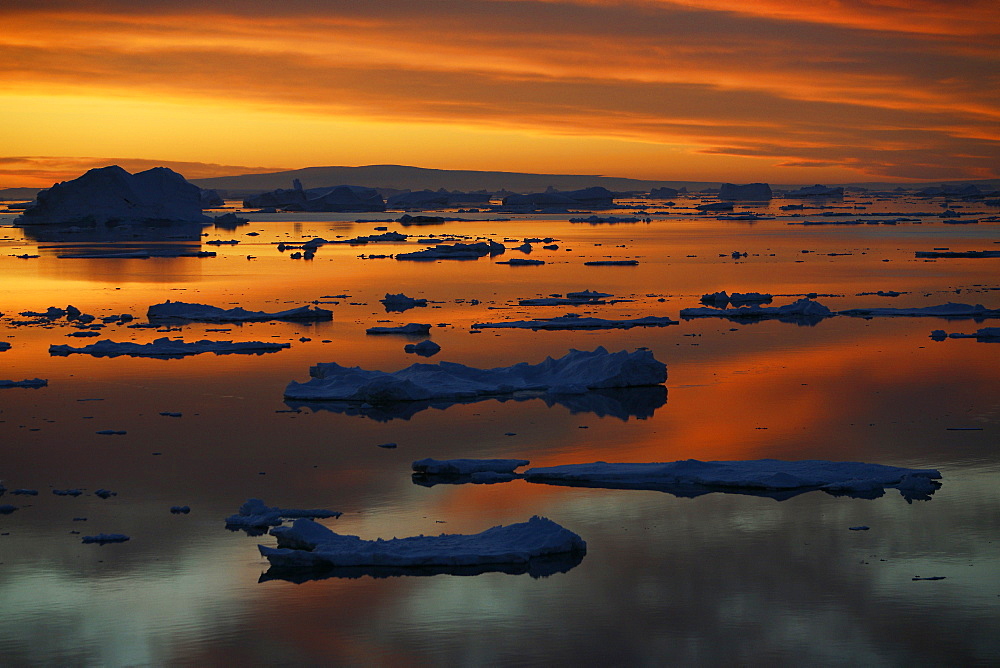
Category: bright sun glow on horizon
[702,90]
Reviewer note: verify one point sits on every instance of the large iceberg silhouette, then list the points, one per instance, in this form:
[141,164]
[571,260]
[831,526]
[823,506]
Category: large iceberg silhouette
[111,194]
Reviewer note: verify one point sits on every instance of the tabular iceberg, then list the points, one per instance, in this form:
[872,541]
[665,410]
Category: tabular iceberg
[574,373]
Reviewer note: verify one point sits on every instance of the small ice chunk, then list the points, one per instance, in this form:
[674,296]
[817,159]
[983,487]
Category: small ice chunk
[180,510]
[67,492]
[425,348]
[31,382]
[105,493]
[103,538]
[256,514]
[413,328]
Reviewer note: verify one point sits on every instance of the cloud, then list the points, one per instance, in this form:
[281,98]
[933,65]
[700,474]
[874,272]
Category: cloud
[769,79]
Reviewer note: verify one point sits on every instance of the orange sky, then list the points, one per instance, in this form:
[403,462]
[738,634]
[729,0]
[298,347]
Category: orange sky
[773,90]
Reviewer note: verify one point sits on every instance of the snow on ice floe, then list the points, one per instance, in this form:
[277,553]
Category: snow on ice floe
[981,334]
[410,329]
[310,546]
[576,321]
[30,382]
[400,302]
[182,311]
[762,477]
[168,348]
[577,372]
[457,251]
[111,194]
[255,516]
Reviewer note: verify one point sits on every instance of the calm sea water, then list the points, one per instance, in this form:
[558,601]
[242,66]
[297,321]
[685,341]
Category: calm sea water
[718,579]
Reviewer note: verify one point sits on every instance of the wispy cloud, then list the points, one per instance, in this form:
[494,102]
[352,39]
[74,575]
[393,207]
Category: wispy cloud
[876,88]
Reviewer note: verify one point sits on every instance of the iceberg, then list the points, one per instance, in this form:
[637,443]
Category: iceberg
[425,348]
[949,310]
[576,321]
[310,545]
[763,477]
[169,310]
[981,334]
[757,192]
[400,302]
[168,348]
[255,514]
[111,194]
[817,190]
[328,199]
[577,372]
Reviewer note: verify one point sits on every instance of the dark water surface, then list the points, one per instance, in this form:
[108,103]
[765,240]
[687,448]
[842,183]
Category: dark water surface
[715,579]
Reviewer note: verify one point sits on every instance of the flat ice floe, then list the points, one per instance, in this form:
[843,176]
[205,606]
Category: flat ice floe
[765,477]
[576,321]
[203,313]
[577,372]
[310,545]
[460,467]
[165,347]
[949,310]
[457,251]
[410,329]
[981,334]
[30,382]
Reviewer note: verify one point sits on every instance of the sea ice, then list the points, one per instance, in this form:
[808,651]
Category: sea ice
[31,382]
[425,348]
[801,309]
[255,514]
[307,544]
[767,477]
[949,310]
[103,538]
[457,251]
[981,334]
[464,467]
[953,254]
[4,345]
[413,329]
[111,194]
[203,313]
[400,302]
[575,321]
[575,373]
[168,348]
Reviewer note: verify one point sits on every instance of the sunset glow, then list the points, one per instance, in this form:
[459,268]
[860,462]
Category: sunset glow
[696,90]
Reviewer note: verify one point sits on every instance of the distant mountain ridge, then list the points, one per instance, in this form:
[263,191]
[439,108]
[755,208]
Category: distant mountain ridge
[402,177]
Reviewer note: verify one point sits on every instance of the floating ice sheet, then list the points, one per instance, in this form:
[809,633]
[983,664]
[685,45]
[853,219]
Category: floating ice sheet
[763,477]
[168,348]
[309,545]
[576,321]
[203,313]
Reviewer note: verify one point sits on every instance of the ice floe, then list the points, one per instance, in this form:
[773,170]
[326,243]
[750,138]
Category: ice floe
[464,467]
[457,251]
[764,477]
[111,194]
[30,382]
[576,321]
[257,515]
[171,348]
[981,334]
[203,313]
[425,348]
[410,329]
[310,545]
[611,263]
[102,538]
[949,310]
[953,254]
[577,372]
[803,310]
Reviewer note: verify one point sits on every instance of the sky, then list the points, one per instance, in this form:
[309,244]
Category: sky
[782,91]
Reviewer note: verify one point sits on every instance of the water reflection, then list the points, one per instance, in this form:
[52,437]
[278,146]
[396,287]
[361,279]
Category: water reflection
[622,403]
[118,240]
